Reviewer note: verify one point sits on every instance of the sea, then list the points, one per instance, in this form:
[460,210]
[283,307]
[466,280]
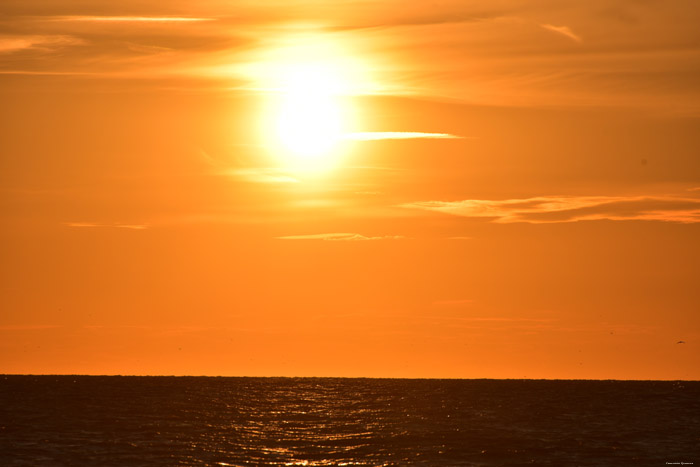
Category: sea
[222,421]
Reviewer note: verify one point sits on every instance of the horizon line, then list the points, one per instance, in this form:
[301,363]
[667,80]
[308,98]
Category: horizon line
[344,377]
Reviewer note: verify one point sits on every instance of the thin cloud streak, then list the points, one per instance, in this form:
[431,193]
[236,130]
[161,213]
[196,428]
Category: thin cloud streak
[564,31]
[379,135]
[28,327]
[261,175]
[247,174]
[494,319]
[558,209]
[138,19]
[49,73]
[339,237]
[458,302]
[117,226]
[9,44]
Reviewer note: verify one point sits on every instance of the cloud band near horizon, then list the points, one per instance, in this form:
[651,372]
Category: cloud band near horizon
[380,135]
[558,209]
[339,237]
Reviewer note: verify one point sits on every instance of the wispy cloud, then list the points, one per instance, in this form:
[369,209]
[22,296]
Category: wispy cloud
[27,327]
[246,173]
[457,302]
[379,135]
[339,237]
[10,44]
[137,19]
[147,49]
[564,31]
[118,226]
[511,57]
[554,209]
[82,224]
[493,323]
[48,73]
[261,175]
[493,319]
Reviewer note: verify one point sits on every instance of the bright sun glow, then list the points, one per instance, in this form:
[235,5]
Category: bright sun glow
[310,81]
[309,120]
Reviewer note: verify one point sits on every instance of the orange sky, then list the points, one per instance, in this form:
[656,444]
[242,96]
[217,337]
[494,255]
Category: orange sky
[497,189]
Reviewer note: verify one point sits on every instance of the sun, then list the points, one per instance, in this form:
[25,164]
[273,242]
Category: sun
[309,118]
[308,83]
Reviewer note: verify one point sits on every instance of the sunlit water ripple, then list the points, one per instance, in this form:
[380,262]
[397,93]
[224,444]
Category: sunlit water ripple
[103,421]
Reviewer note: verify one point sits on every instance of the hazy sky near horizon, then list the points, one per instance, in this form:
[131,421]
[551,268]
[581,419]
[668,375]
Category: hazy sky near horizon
[499,189]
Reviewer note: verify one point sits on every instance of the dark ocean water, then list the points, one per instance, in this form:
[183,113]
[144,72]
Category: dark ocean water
[104,421]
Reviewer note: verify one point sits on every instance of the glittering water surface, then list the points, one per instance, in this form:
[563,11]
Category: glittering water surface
[101,421]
